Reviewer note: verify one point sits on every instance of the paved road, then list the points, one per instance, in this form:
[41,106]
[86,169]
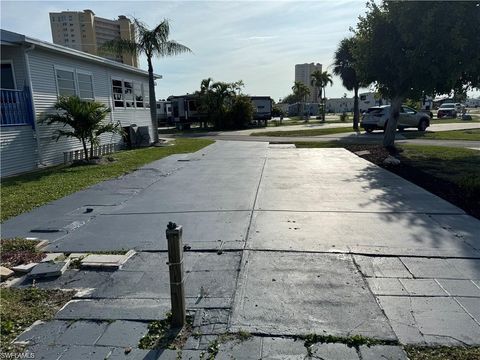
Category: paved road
[433,127]
[283,242]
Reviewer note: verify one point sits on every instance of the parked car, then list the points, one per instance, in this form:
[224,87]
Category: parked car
[447,110]
[377,117]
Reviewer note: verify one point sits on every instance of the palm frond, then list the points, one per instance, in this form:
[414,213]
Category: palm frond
[120,46]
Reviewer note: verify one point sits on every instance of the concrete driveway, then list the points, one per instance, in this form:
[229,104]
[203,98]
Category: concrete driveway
[282,242]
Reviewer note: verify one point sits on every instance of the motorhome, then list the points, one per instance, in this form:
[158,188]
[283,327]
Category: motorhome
[262,108]
[185,111]
[164,112]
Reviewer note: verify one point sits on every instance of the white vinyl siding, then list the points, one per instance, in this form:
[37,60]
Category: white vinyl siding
[42,71]
[14,143]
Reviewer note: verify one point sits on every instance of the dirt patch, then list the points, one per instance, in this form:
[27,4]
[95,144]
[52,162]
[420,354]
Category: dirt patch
[19,251]
[445,189]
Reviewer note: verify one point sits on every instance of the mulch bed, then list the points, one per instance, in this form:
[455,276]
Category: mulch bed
[447,190]
[10,259]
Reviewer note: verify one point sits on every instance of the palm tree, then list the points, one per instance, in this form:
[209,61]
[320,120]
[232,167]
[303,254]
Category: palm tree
[85,119]
[301,91]
[316,81]
[344,66]
[322,79]
[150,42]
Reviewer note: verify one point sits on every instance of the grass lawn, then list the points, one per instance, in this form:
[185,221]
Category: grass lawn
[443,352]
[22,307]
[449,163]
[25,192]
[469,134]
[309,132]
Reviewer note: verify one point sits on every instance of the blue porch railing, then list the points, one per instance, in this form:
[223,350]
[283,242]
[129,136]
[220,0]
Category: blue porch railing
[16,107]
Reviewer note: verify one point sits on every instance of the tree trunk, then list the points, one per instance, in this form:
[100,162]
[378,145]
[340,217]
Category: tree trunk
[356,112]
[153,101]
[85,149]
[323,104]
[389,135]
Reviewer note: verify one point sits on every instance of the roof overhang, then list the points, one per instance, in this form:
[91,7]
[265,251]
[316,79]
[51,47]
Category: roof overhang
[10,38]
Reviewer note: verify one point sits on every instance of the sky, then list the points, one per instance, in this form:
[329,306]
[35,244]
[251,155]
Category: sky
[258,42]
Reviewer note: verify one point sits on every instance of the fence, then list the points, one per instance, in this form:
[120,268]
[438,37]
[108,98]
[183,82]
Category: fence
[70,156]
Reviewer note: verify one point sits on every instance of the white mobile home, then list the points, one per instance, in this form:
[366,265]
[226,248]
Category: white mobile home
[35,73]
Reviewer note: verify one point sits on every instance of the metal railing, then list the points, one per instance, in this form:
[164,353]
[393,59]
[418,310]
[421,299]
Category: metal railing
[16,107]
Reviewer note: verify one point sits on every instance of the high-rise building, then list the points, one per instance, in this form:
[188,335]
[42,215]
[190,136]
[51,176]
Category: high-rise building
[303,74]
[82,30]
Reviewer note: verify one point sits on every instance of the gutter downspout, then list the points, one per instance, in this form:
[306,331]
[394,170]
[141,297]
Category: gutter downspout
[37,132]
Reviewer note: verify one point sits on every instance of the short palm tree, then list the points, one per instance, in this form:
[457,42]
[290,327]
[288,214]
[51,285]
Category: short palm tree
[344,66]
[150,42]
[84,119]
[320,80]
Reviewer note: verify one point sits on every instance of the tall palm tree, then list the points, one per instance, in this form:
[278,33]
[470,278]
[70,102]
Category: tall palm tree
[301,91]
[316,81]
[150,42]
[344,66]
[324,79]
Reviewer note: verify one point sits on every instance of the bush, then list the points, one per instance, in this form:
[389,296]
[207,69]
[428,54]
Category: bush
[344,117]
[240,113]
[277,112]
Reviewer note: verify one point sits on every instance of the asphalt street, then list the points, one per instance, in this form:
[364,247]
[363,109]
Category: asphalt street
[282,242]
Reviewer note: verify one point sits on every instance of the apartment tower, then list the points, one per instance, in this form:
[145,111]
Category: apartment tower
[82,30]
[303,74]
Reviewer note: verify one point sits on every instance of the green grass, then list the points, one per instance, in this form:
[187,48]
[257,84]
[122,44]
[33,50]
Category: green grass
[25,192]
[22,307]
[309,132]
[442,353]
[470,134]
[449,163]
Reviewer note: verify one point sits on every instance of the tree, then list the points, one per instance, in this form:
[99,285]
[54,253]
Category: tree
[150,42]
[219,101]
[85,119]
[301,91]
[344,66]
[409,48]
[320,80]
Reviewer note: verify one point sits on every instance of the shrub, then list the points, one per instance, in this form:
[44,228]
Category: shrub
[240,113]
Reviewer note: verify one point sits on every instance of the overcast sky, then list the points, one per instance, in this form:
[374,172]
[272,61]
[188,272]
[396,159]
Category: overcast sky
[258,42]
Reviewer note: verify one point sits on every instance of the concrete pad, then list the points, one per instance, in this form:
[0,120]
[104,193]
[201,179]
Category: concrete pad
[114,309]
[71,279]
[471,306]
[43,333]
[52,256]
[463,226]
[106,261]
[370,188]
[46,352]
[292,294]
[82,333]
[24,268]
[334,352]
[423,287]
[139,354]
[250,349]
[386,286]
[202,230]
[460,287]
[388,267]
[86,352]
[5,273]
[48,270]
[283,348]
[432,320]
[123,334]
[369,233]
[383,352]
[469,268]
[434,268]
